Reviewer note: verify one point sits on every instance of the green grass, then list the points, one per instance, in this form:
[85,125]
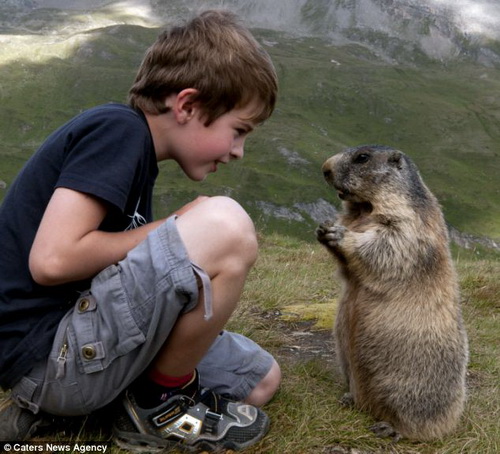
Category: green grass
[306,412]
[292,275]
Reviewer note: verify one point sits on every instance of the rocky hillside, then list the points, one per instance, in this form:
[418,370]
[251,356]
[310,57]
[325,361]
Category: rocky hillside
[397,29]
[423,76]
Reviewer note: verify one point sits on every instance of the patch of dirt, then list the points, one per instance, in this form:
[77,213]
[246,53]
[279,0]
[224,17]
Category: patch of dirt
[301,342]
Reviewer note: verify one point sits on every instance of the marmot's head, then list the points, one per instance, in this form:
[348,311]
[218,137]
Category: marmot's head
[372,173]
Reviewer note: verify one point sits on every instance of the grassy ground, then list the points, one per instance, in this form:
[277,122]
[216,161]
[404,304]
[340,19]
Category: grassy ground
[288,306]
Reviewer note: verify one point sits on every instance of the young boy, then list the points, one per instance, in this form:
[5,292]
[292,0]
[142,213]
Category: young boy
[97,300]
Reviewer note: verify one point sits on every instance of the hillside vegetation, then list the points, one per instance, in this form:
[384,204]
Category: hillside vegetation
[445,116]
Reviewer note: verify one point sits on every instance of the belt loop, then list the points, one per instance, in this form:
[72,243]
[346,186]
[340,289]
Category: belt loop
[207,290]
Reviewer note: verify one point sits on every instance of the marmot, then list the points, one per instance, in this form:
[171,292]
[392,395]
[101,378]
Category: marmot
[400,339]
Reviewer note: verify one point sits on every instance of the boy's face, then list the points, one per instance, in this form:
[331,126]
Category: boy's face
[200,149]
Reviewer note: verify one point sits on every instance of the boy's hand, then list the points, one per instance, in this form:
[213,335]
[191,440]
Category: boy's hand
[193,203]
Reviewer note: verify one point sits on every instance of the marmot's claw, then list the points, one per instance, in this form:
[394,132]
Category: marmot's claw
[330,235]
[320,233]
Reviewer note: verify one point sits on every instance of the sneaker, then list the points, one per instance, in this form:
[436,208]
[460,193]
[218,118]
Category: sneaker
[203,421]
[16,423]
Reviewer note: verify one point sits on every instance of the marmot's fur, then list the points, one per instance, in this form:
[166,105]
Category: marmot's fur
[400,338]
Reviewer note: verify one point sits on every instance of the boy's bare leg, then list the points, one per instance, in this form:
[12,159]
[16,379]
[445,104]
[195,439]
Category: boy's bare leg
[266,388]
[220,238]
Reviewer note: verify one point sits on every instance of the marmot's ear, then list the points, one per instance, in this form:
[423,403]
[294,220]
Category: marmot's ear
[396,159]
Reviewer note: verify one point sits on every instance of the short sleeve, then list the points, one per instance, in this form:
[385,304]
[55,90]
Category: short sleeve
[106,150]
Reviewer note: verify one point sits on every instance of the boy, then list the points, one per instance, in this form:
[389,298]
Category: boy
[97,299]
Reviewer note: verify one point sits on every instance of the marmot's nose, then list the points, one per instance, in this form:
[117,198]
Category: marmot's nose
[327,169]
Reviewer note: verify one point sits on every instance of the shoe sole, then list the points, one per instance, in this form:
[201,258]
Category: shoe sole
[144,443]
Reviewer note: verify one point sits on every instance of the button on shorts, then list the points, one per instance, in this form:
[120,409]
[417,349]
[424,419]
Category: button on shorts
[115,330]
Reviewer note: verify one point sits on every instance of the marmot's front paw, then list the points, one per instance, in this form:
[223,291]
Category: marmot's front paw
[330,235]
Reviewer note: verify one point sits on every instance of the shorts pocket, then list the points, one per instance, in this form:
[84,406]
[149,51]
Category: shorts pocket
[102,327]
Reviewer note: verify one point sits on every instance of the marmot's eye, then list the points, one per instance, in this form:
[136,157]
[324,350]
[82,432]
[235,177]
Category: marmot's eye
[361,158]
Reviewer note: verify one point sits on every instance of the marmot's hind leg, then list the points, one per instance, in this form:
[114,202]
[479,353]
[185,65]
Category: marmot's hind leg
[347,400]
[385,430]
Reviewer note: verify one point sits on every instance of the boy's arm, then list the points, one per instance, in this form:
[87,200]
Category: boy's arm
[68,245]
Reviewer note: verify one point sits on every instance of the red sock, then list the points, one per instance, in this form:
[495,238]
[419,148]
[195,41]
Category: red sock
[154,388]
[169,381]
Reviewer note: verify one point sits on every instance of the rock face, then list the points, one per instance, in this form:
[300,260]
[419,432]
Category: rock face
[440,29]
[318,211]
[396,29]
[468,241]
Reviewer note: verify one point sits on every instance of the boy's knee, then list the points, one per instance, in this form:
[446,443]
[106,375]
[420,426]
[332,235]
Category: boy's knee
[266,389]
[217,229]
[234,224]
[232,212]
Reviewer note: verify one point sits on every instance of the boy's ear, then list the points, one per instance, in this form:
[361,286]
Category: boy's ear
[185,105]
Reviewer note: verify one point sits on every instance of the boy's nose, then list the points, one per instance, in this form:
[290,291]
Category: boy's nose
[237,152]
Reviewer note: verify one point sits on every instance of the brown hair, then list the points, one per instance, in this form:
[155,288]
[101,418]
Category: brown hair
[214,54]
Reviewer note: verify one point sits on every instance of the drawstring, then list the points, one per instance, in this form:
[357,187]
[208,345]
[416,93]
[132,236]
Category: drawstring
[207,290]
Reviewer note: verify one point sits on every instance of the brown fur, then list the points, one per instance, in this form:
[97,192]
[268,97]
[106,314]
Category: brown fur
[400,339]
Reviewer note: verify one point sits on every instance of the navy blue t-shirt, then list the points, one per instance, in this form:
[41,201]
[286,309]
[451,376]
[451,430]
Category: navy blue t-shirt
[106,151]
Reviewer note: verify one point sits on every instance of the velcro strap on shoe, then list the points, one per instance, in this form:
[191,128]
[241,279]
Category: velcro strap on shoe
[211,422]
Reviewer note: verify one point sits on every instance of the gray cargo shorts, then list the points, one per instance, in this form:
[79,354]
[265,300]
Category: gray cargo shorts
[115,330]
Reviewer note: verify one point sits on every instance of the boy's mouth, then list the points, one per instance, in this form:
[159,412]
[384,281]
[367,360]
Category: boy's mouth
[216,163]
